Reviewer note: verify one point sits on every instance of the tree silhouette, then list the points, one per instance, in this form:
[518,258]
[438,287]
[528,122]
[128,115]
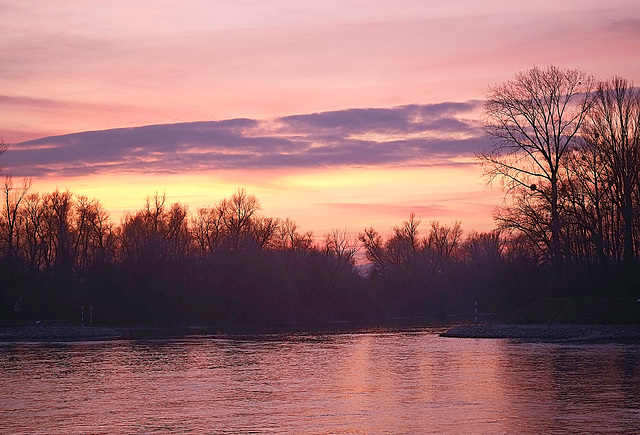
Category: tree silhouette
[13,197]
[3,147]
[534,119]
[613,130]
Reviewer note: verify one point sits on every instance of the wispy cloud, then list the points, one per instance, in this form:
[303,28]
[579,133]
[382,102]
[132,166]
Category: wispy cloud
[405,135]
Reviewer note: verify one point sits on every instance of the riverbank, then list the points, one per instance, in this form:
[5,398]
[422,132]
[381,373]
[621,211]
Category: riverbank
[68,331]
[527,332]
[552,333]
[57,332]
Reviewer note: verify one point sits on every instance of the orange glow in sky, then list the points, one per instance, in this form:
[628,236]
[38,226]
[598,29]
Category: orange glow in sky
[351,199]
[353,114]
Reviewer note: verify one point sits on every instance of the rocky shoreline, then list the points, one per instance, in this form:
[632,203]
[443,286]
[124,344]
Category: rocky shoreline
[65,332]
[553,333]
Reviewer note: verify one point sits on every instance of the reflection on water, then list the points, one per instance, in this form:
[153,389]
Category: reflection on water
[369,382]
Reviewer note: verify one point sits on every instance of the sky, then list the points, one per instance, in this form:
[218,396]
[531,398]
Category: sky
[342,114]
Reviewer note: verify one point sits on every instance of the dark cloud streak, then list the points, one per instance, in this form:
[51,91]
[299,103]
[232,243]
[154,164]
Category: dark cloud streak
[409,118]
[414,134]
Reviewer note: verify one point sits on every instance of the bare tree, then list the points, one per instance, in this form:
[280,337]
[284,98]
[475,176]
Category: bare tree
[154,211]
[534,119]
[288,234]
[442,242]
[82,239]
[156,232]
[341,245]
[375,250]
[613,129]
[56,225]
[264,230]
[402,247]
[13,196]
[176,232]
[444,238]
[588,197]
[238,216]
[92,233]
[484,247]
[208,229]
[527,215]
[409,231]
[34,243]
[3,147]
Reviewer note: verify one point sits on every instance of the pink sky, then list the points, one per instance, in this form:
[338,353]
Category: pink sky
[306,77]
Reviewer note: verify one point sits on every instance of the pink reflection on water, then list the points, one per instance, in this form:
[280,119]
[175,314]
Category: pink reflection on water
[374,382]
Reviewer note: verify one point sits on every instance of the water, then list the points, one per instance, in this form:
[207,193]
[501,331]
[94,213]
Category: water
[368,382]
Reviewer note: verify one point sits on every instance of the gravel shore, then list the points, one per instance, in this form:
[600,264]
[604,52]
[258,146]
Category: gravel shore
[56,332]
[557,332]
[535,332]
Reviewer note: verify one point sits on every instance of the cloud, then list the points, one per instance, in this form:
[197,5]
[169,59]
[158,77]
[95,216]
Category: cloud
[404,135]
[628,26]
[409,118]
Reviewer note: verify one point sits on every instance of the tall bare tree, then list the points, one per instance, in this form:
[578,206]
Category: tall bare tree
[534,119]
[13,196]
[239,215]
[588,198]
[613,129]
[341,245]
[208,229]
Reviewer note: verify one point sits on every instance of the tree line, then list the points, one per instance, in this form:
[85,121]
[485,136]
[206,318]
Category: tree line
[226,264]
[566,150]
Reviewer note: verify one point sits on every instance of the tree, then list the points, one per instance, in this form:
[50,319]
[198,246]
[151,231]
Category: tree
[290,239]
[238,216]
[34,243]
[93,234]
[13,196]
[375,250]
[613,129]
[588,198]
[442,242]
[57,208]
[339,244]
[3,147]
[264,231]
[534,119]
[155,232]
[482,253]
[208,229]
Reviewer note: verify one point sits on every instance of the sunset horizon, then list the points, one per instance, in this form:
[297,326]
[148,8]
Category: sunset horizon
[334,115]
[443,184]
[342,216]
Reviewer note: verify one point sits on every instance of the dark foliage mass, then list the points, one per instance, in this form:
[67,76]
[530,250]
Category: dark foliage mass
[567,150]
[226,264]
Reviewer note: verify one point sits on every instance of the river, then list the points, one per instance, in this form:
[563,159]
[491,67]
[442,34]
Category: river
[366,382]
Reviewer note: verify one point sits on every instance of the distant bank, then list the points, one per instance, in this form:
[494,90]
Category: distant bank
[552,333]
[56,332]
